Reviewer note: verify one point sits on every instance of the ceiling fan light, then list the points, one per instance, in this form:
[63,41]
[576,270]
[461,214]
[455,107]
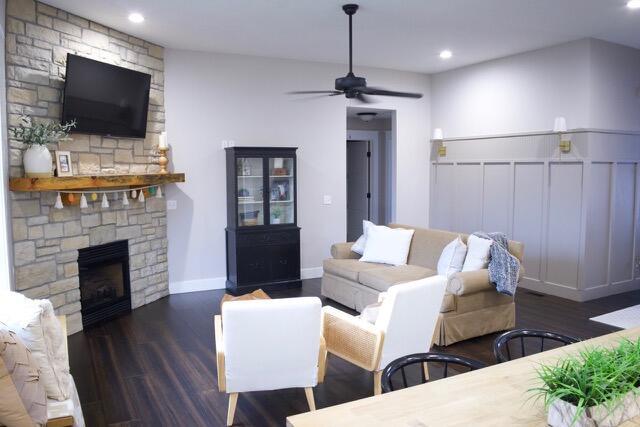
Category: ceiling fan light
[633,4]
[367,116]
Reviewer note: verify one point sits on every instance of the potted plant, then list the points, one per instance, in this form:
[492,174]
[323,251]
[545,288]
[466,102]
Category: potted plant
[276,213]
[598,387]
[37,158]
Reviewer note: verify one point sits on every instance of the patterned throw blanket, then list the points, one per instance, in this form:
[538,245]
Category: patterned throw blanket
[504,268]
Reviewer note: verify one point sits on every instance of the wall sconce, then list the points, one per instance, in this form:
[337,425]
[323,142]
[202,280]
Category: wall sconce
[439,137]
[559,127]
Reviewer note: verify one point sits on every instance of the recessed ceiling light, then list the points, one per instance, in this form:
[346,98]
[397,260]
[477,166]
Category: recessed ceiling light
[136,18]
[446,54]
[633,4]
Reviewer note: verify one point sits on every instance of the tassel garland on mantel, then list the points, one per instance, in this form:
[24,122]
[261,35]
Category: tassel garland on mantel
[137,193]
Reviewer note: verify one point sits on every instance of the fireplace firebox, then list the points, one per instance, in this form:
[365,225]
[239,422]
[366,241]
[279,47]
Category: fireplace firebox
[104,281]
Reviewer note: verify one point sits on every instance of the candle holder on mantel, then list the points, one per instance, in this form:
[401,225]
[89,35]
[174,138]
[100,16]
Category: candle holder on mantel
[163,160]
[163,147]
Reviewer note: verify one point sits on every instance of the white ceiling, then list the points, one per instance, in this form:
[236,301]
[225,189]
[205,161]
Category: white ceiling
[402,35]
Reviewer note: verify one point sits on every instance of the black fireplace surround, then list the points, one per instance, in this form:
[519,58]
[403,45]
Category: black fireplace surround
[104,281]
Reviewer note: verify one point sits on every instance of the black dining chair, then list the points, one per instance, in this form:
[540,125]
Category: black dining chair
[502,350]
[423,360]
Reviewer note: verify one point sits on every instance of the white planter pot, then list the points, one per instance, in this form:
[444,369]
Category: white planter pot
[561,413]
[275,221]
[37,162]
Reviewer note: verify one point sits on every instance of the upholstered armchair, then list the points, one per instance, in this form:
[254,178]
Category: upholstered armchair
[405,322]
[269,345]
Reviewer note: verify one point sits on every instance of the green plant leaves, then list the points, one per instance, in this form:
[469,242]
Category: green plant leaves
[596,376]
[41,133]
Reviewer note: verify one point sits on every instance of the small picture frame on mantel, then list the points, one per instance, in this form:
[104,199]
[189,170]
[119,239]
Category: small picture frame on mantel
[63,163]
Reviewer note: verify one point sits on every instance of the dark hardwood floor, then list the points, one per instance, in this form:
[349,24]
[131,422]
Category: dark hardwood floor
[156,366]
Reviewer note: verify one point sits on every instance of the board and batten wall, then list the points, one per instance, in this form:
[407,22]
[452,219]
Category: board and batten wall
[214,97]
[576,213]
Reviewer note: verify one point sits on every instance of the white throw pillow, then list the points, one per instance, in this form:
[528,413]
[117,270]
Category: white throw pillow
[358,246]
[477,253]
[35,323]
[387,245]
[452,258]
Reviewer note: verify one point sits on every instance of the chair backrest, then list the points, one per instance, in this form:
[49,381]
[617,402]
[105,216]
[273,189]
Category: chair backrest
[271,344]
[408,317]
[532,340]
[420,359]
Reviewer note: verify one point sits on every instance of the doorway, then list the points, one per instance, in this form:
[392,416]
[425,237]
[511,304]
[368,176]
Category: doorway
[370,146]
[358,186]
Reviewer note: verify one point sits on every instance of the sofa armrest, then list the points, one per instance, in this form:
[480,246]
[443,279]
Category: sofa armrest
[343,251]
[469,282]
[222,383]
[351,338]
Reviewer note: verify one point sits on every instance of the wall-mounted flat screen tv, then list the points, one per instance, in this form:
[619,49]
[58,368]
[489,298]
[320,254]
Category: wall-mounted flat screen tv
[105,99]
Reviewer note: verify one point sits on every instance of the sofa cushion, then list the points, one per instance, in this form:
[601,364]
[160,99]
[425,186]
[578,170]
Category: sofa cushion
[347,268]
[381,278]
[427,245]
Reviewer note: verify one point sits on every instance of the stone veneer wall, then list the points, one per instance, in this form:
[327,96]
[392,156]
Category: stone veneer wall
[46,240]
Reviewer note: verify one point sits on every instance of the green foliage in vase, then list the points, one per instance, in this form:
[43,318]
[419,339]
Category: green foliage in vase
[276,212]
[43,133]
[596,376]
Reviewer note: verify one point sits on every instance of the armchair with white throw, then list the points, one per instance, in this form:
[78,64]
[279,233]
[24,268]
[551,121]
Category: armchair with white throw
[404,325]
[269,345]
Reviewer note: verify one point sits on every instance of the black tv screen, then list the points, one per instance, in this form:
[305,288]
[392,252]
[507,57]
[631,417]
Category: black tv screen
[105,99]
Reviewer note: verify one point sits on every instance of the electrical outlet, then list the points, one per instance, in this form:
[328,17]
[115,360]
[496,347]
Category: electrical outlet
[172,205]
[326,199]
[637,265]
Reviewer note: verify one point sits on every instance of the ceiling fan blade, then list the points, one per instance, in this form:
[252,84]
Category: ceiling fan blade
[383,92]
[360,97]
[311,92]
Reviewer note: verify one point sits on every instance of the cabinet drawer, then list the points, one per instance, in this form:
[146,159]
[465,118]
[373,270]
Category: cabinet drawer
[268,238]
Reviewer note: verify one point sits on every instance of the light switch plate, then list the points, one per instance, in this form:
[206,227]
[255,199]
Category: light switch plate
[172,205]
[326,199]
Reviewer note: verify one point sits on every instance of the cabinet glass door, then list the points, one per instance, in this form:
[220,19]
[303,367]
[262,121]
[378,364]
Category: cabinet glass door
[250,178]
[281,190]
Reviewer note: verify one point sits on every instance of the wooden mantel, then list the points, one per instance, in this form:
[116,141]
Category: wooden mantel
[86,182]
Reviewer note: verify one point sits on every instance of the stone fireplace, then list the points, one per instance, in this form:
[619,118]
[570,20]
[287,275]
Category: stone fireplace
[49,243]
[104,281]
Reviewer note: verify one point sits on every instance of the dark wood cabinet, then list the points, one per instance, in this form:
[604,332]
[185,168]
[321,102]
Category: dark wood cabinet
[262,235]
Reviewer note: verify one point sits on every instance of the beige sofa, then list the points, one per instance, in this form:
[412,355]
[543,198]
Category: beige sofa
[471,306]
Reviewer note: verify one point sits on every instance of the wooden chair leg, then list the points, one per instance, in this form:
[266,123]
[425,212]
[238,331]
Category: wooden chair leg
[308,391]
[377,382]
[322,365]
[233,399]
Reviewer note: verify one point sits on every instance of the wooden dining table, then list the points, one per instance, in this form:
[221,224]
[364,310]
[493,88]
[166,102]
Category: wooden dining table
[494,396]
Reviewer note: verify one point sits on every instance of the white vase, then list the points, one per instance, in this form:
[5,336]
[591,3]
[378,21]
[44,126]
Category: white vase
[37,161]
[275,221]
[561,413]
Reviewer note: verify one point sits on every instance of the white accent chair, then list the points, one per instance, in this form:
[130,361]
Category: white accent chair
[405,324]
[269,345]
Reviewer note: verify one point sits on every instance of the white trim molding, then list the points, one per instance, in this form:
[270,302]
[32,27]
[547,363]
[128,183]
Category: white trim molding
[214,283]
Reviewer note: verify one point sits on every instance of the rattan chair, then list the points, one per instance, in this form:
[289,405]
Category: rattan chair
[501,347]
[405,324]
[424,359]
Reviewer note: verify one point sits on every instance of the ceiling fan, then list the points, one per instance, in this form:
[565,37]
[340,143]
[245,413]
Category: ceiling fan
[351,85]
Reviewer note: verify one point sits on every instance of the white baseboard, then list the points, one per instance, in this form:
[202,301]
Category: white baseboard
[310,273]
[213,283]
[197,285]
